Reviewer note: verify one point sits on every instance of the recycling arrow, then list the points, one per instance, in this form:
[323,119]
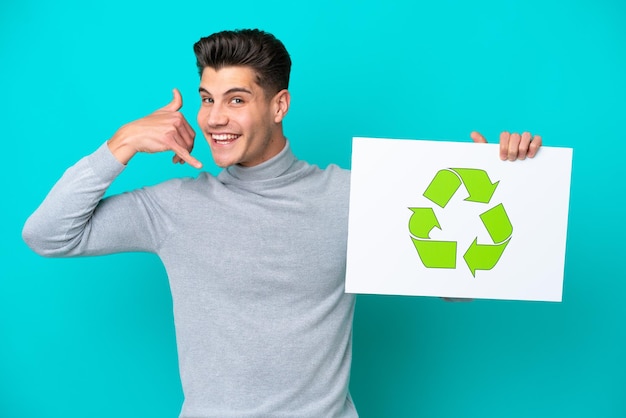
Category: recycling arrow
[422,222]
[483,256]
[497,223]
[436,254]
[446,183]
[477,183]
[442,187]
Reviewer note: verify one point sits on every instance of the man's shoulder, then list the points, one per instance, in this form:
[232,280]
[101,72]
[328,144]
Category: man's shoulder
[331,176]
[201,181]
[331,170]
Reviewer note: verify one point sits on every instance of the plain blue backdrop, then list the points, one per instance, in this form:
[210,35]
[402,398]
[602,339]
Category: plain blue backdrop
[93,337]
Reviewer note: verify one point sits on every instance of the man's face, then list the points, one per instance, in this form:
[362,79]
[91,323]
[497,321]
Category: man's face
[241,124]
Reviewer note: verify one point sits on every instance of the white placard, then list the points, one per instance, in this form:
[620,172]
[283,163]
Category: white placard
[450,219]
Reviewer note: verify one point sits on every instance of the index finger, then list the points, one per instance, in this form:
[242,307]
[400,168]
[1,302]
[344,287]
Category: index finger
[535,144]
[184,155]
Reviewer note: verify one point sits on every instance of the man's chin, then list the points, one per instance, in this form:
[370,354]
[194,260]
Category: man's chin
[221,158]
[221,163]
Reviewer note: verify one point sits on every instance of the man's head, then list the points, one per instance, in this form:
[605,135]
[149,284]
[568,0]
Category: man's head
[252,48]
[244,77]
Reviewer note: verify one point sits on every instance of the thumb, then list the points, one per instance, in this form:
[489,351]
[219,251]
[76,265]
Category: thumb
[478,138]
[175,104]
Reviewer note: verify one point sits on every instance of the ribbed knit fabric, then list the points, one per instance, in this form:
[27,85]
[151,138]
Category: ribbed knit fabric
[256,263]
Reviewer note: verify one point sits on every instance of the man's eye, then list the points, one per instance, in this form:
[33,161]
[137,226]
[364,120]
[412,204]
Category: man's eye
[237,100]
[207,100]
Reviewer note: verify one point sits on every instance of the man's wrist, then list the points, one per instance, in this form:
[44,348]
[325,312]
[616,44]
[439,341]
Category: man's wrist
[120,149]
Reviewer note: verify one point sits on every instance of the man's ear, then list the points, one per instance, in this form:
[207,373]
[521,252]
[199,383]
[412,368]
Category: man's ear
[281,102]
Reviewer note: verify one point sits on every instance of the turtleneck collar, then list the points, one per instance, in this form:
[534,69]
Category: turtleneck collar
[272,168]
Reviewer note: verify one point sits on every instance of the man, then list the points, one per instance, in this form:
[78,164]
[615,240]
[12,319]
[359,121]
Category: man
[255,256]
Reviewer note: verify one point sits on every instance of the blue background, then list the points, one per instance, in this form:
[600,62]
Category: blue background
[94,336]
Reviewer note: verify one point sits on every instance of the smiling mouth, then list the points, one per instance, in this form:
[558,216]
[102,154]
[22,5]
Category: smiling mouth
[224,139]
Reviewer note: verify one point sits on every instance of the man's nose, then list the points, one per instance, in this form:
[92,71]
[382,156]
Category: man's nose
[217,116]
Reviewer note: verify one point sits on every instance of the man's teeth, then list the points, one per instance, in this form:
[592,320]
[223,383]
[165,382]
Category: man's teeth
[225,137]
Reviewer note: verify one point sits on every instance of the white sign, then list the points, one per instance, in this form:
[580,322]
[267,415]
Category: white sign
[450,219]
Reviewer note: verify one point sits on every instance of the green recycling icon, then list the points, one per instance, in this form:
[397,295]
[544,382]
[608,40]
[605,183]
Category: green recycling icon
[443,254]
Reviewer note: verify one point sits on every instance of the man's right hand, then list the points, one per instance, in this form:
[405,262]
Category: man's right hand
[166,129]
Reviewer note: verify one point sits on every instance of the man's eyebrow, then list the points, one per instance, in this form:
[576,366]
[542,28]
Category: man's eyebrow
[229,91]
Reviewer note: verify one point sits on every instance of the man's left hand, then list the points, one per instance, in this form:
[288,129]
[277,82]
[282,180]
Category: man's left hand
[514,146]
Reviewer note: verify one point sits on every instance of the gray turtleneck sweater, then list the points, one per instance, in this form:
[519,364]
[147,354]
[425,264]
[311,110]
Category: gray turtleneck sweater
[256,263]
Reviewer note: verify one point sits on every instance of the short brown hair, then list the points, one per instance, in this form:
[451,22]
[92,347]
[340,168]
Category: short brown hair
[253,48]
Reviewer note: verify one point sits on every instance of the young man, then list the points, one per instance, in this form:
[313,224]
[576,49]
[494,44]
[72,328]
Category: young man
[255,256]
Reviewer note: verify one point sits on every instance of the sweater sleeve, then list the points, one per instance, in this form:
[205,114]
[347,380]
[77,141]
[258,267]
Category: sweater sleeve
[75,220]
